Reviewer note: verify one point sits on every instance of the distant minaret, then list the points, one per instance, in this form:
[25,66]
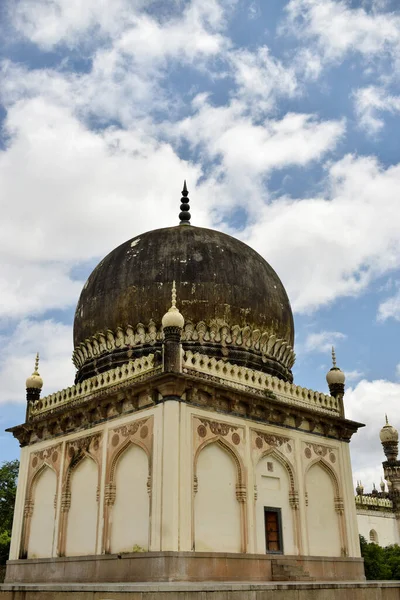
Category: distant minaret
[391,467]
[336,379]
[34,385]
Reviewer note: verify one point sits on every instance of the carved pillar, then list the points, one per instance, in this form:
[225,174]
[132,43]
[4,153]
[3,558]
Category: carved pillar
[26,528]
[241,497]
[294,505]
[339,508]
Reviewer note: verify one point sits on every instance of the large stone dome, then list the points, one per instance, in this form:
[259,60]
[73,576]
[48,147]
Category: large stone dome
[234,304]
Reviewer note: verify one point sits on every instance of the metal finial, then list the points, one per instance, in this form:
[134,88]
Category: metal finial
[173,295]
[36,370]
[184,215]
[386,419]
[333,357]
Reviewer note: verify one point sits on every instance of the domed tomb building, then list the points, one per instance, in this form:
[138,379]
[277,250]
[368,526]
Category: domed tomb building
[184,451]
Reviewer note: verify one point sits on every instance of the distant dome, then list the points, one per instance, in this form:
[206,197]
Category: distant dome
[233,303]
[388,433]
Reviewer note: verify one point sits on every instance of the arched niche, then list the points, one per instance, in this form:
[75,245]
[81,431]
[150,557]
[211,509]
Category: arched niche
[130,514]
[43,494]
[81,531]
[217,511]
[275,483]
[373,536]
[323,520]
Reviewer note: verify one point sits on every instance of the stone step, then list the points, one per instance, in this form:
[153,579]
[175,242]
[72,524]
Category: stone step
[289,570]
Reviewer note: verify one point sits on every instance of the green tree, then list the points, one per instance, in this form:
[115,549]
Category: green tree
[8,489]
[380,563]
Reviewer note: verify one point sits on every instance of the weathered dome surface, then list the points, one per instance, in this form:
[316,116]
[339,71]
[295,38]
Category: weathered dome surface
[233,303]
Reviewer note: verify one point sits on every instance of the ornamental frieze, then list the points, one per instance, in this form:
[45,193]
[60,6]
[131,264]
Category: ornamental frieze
[201,332]
[206,429]
[262,440]
[312,450]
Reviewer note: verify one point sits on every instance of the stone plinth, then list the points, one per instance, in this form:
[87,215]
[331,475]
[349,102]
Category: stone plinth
[374,590]
[176,566]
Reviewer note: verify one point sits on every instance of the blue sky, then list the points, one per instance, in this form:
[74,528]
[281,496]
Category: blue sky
[283,116]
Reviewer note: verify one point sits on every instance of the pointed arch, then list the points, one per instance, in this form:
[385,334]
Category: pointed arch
[328,470]
[232,536]
[82,487]
[324,509]
[228,448]
[286,464]
[110,487]
[118,452]
[30,503]
[43,491]
[277,490]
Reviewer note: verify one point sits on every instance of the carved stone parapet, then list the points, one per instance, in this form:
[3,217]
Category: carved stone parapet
[243,378]
[129,371]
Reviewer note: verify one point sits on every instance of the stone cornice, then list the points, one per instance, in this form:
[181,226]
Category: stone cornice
[263,343]
[125,398]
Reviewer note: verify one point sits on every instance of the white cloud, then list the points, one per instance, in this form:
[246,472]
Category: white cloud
[244,150]
[390,308]
[353,375]
[339,28]
[368,403]
[334,245]
[370,103]
[53,341]
[81,194]
[322,341]
[261,78]
[49,23]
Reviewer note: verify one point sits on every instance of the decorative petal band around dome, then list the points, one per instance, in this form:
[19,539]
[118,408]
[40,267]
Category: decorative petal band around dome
[255,340]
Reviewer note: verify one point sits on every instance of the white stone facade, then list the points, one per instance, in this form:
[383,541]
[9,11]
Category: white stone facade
[184,478]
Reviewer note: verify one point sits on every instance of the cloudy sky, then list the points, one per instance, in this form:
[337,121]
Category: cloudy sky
[283,116]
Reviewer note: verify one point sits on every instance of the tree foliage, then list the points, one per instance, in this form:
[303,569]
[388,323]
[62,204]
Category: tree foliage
[8,489]
[380,563]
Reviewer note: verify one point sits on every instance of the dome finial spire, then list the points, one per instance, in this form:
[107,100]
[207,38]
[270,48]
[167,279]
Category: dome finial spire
[173,301]
[333,357]
[184,215]
[36,371]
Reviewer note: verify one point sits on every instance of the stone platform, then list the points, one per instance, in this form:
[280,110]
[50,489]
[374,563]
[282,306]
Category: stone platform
[182,566]
[376,590]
